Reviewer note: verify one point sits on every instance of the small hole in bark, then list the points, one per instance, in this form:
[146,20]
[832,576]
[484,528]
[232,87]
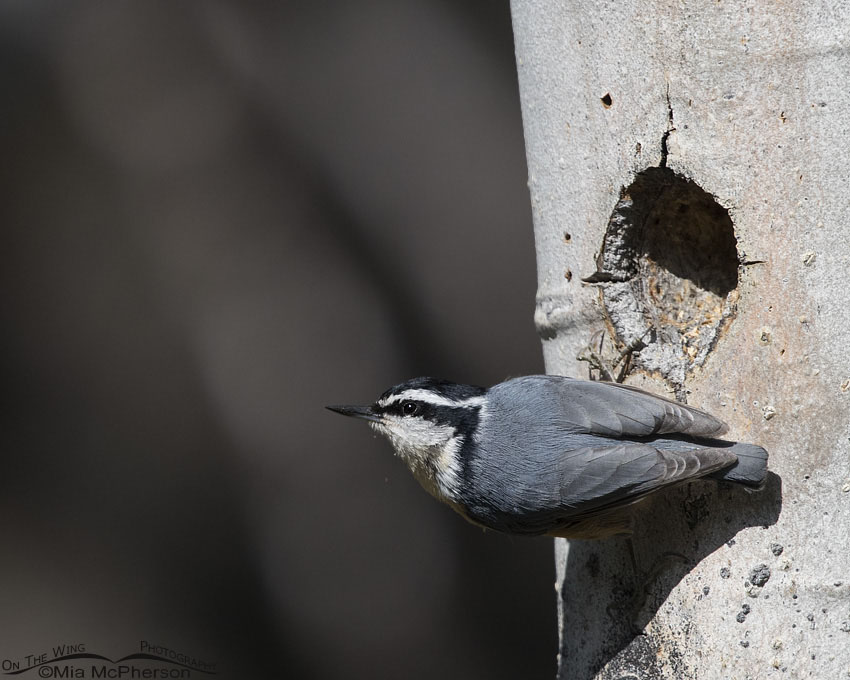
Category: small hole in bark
[607,101]
[669,272]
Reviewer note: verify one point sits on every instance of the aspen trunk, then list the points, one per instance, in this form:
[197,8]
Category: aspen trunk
[689,168]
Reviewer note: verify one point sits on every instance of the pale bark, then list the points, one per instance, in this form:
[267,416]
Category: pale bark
[746,108]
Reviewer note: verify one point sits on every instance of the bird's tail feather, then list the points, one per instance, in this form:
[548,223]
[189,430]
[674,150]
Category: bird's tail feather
[751,468]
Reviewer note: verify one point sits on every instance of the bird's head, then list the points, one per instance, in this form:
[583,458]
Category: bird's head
[428,421]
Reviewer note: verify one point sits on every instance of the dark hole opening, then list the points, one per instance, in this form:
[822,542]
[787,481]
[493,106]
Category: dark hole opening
[669,253]
[690,236]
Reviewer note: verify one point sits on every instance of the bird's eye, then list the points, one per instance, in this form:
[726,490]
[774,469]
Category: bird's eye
[409,408]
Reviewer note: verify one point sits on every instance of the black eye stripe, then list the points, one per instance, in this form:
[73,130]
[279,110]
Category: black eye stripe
[421,409]
[406,407]
[463,418]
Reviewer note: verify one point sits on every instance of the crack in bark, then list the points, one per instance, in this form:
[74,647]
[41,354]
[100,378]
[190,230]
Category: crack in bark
[670,128]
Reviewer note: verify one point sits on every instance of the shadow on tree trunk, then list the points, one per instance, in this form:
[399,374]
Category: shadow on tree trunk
[601,586]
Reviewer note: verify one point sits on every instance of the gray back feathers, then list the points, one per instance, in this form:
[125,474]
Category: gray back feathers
[610,409]
[569,447]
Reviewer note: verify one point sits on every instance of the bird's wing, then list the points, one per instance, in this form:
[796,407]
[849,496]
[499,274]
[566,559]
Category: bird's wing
[614,410]
[599,477]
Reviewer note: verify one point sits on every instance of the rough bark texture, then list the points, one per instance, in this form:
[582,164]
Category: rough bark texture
[688,170]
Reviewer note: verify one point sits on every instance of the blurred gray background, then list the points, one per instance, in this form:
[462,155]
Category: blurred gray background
[218,217]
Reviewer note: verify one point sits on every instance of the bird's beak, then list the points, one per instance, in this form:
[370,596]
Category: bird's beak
[364,412]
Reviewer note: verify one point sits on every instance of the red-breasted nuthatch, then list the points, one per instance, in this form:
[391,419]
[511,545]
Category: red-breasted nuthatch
[552,455]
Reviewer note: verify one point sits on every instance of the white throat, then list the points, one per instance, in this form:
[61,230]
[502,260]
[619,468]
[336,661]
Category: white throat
[431,451]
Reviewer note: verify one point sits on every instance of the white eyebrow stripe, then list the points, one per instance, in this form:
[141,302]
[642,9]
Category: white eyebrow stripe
[430,398]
